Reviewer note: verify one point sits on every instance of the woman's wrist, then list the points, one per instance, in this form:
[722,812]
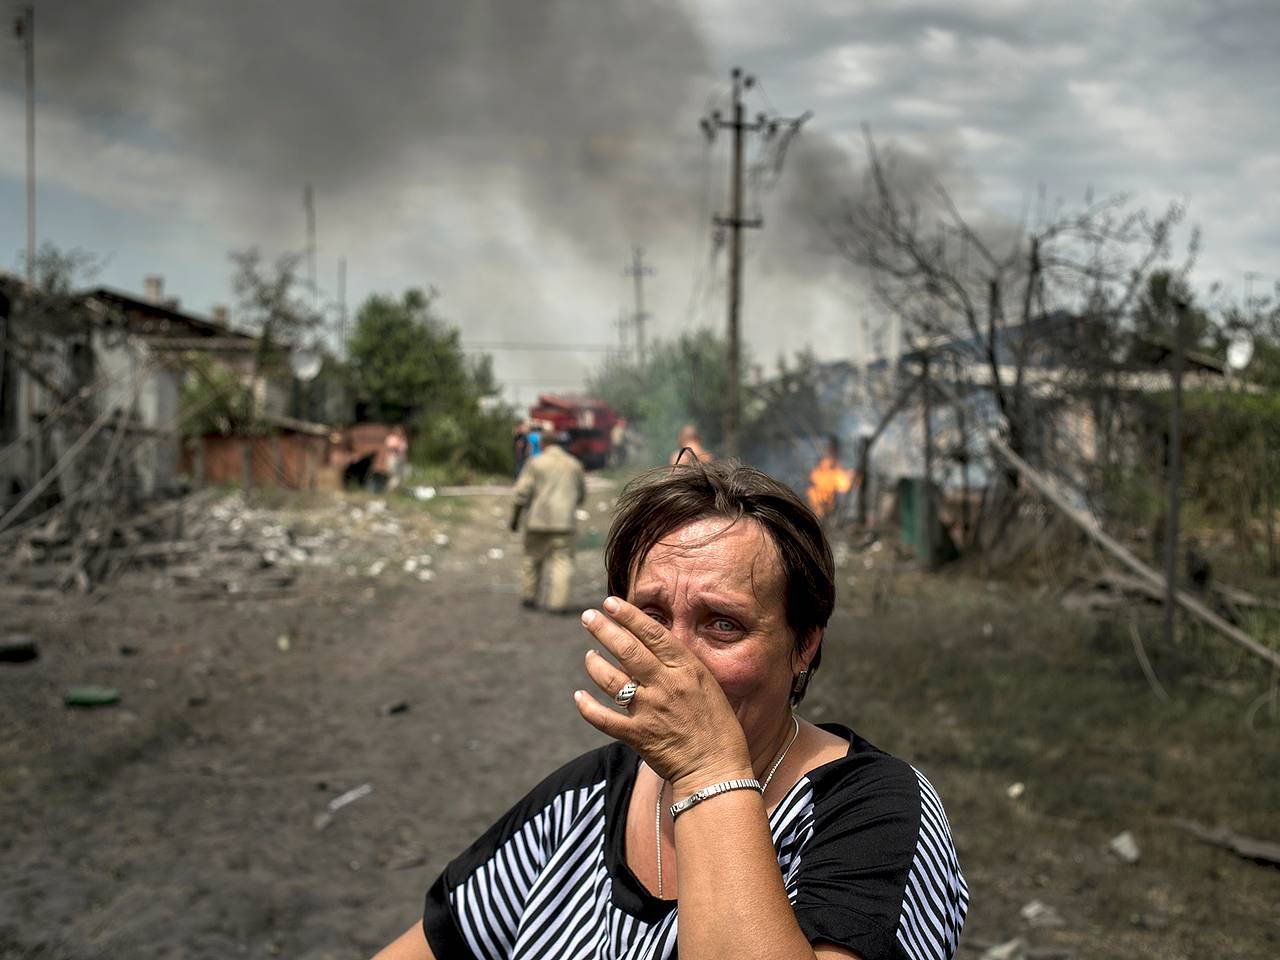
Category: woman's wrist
[684,787]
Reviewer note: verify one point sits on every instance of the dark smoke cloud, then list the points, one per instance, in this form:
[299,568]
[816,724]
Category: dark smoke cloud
[507,151]
[578,103]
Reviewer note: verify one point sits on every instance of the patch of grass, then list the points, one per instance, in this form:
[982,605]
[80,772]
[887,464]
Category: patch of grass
[984,688]
[442,509]
[450,475]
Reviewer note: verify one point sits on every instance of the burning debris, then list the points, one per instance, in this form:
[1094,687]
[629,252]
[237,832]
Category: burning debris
[829,481]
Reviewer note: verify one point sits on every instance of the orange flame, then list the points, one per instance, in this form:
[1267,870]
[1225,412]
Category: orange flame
[826,482]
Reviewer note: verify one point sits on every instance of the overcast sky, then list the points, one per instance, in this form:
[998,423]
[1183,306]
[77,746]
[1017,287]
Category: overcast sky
[510,152]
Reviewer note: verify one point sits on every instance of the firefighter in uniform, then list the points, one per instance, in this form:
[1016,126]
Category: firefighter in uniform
[550,488]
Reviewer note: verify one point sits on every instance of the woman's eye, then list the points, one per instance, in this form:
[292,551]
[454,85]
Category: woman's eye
[658,616]
[723,625]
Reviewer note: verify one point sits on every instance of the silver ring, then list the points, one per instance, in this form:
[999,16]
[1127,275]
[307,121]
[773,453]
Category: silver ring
[626,694]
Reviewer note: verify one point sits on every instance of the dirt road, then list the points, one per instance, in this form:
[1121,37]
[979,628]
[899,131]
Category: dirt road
[182,822]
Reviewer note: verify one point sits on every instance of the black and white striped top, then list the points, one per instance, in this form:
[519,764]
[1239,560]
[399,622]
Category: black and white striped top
[863,844]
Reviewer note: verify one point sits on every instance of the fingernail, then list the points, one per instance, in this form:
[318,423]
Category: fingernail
[589,615]
[590,654]
[578,695]
[612,604]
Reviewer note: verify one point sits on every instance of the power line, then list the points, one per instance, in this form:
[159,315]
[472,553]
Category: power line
[541,381]
[474,345]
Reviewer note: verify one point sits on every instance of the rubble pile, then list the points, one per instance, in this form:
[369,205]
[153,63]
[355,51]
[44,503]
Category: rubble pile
[190,542]
[219,543]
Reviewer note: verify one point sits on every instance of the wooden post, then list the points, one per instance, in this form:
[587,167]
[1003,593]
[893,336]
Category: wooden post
[1269,505]
[1174,504]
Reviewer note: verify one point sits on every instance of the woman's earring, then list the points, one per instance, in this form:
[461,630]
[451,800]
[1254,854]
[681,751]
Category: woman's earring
[801,684]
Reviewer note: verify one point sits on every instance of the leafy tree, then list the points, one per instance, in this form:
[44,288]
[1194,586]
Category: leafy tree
[1232,444]
[408,367]
[684,381]
[405,361]
[1155,313]
[213,400]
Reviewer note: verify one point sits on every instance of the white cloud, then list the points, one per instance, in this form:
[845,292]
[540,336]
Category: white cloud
[847,69]
[924,108]
[979,140]
[937,44]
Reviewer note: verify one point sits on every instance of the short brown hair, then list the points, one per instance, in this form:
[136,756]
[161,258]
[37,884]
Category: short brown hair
[667,498]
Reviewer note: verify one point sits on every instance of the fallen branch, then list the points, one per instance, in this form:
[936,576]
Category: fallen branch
[1251,848]
[1112,546]
[1140,652]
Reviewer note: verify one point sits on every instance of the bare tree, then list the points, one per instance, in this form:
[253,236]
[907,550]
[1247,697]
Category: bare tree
[976,291]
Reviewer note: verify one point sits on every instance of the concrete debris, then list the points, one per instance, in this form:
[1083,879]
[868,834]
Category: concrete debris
[495,553]
[323,819]
[1124,846]
[440,539]
[411,565]
[582,516]
[426,575]
[1015,790]
[424,493]
[1039,914]
[351,796]
[1015,949]
[376,568]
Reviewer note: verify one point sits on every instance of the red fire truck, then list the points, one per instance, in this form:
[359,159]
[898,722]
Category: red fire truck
[588,422]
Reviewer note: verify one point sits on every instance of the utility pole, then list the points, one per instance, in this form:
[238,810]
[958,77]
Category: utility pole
[638,271]
[1249,277]
[309,205]
[24,28]
[342,307]
[621,324]
[736,223]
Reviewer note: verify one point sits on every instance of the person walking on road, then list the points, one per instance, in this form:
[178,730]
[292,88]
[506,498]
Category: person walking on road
[550,488]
